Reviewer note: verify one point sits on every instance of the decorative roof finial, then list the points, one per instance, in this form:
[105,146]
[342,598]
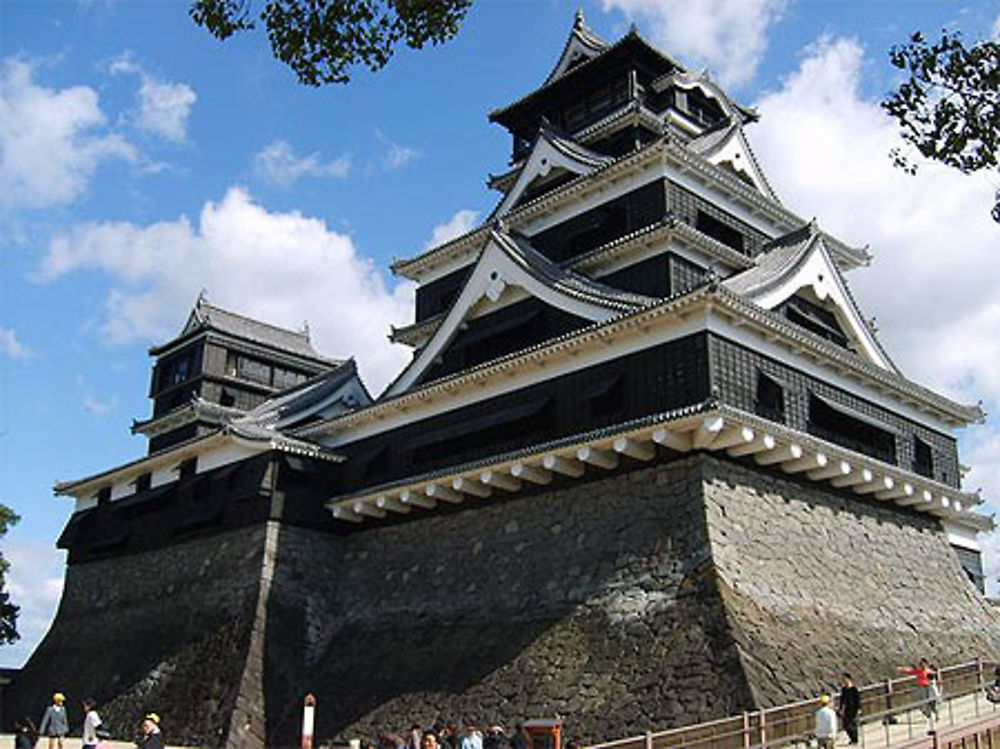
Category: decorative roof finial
[305,328]
[579,21]
[202,297]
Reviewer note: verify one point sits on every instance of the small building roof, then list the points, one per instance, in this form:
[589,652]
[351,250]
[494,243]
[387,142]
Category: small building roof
[631,41]
[209,317]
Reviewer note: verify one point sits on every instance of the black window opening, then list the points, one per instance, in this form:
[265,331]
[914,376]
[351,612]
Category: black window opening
[497,431]
[143,482]
[598,226]
[605,399]
[769,400]
[593,105]
[815,319]
[851,430]
[176,369]
[187,468]
[103,495]
[720,231]
[923,458]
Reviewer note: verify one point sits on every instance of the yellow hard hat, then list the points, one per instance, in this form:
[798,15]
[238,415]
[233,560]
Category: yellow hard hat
[824,699]
[154,717]
[59,697]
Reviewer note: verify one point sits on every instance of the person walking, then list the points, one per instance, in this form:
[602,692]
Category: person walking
[25,734]
[55,723]
[849,707]
[151,736]
[922,673]
[471,738]
[91,724]
[826,723]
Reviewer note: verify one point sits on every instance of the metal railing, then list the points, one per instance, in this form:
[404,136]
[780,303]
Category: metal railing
[893,702]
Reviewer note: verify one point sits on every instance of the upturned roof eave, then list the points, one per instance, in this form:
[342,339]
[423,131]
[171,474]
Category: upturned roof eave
[497,115]
[710,294]
[850,257]
[190,448]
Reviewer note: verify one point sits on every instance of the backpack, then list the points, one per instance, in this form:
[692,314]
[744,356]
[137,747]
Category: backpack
[993,693]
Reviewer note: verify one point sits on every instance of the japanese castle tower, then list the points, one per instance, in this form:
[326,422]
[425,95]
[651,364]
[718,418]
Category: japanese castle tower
[648,465]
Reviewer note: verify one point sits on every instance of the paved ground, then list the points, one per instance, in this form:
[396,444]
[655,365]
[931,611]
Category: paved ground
[913,724]
[7,742]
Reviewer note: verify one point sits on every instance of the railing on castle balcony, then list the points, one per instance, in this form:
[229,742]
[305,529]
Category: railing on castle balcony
[894,707]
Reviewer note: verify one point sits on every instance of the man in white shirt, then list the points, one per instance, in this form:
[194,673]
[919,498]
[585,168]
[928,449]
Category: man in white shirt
[826,723]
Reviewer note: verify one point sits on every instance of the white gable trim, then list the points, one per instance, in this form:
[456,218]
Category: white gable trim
[736,151]
[494,273]
[819,273]
[577,46]
[545,157]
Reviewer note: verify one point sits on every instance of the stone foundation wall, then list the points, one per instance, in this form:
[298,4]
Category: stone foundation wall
[595,601]
[817,582]
[655,597]
[165,630]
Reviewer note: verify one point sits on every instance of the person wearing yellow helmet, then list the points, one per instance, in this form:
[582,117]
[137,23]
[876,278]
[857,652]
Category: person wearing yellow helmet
[151,737]
[55,722]
[826,723]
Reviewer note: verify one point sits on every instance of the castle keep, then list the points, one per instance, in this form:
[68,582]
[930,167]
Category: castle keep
[648,465]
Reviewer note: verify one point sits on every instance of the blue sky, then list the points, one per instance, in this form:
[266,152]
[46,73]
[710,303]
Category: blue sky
[143,161]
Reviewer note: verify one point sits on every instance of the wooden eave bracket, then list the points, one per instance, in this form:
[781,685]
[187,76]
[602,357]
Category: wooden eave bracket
[718,430]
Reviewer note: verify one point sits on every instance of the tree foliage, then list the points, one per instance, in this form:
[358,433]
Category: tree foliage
[8,611]
[948,108]
[322,40]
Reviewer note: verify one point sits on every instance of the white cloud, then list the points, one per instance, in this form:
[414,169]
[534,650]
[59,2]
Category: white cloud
[982,453]
[996,28]
[97,407]
[279,267]
[164,107]
[278,164]
[728,36]
[35,583]
[50,140]
[932,284]
[11,346]
[462,222]
[396,156]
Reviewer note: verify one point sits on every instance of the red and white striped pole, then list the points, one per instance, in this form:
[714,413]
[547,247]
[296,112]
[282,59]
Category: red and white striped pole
[308,721]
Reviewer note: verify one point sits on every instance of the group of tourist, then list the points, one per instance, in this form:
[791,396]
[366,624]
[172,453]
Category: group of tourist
[54,727]
[443,735]
[928,697]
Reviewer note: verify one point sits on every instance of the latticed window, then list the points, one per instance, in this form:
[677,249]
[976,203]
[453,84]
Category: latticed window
[770,398]
[923,458]
[851,429]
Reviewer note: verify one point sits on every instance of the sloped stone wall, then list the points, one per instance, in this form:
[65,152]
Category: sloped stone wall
[816,582]
[653,597]
[595,601]
[165,630]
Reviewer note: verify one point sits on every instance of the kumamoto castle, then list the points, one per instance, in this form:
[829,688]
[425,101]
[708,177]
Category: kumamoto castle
[648,465]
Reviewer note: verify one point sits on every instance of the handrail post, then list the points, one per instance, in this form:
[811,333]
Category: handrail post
[763,728]
[980,683]
[649,740]
[746,730]
[889,717]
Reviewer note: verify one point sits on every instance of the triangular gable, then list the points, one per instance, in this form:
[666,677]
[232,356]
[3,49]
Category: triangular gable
[702,81]
[730,149]
[322,397]
[582,44]
[550,153]
[506,264]
[787,270]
